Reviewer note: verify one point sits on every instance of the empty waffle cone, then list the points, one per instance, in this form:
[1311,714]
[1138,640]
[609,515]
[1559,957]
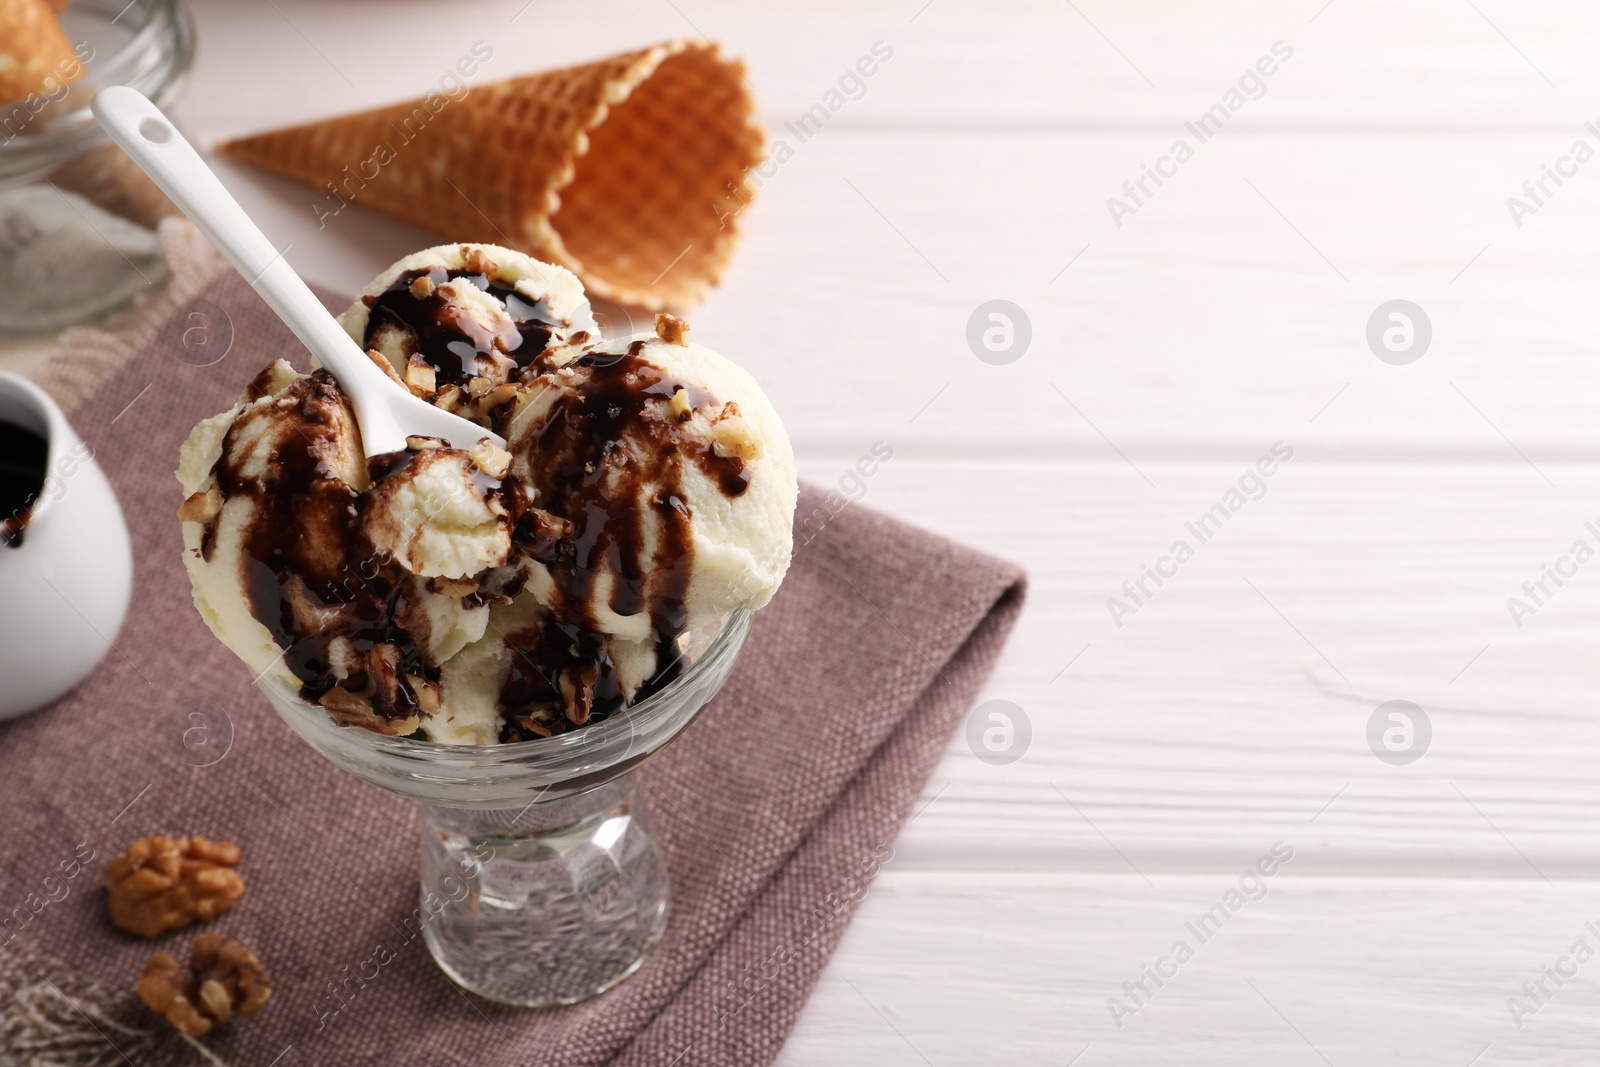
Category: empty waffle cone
[35,56]
[629,171]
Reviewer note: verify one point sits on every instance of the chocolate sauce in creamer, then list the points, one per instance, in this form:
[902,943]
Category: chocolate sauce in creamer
[23,455]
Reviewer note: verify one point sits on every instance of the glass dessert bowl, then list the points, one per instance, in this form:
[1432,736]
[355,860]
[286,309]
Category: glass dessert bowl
[500,634]
[542,882]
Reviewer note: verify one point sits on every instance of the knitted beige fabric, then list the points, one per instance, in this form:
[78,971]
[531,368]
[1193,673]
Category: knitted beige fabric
[51,1015]
[775,807]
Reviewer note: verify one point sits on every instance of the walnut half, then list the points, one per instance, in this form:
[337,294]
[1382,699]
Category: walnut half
[227,978]
[672,329]
[165,883]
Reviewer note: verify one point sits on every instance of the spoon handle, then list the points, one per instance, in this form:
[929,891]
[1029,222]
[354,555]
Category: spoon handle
[155,144]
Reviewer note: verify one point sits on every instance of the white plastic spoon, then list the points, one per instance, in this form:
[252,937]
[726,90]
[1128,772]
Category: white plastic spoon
[388,414]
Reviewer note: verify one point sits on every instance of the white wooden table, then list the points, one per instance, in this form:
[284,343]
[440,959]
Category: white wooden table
[1226,313]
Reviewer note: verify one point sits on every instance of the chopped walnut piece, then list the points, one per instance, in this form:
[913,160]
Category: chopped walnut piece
[421,286]
[452,399]
[577,691]
[477,385]
[419,443]
[427,693]
[497,396]
[680,404]
[672,329]
[534,726]
[167,991]
[383,666]
[421,378]
[381,361]
[356,709]
[165,883]
[230,976]
[227,978]
[201,507]
[346,708]
[475,260]
[540,533]
[732,437]
[490,458]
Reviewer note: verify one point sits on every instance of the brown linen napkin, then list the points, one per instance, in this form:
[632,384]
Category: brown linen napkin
[775,808]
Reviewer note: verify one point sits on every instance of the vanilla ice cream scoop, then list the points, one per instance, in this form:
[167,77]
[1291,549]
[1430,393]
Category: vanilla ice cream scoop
[315,568]
[672,480]
[433,511]
[448,315]
[488,595]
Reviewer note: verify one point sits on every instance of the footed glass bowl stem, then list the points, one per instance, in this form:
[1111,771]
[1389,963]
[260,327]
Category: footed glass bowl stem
[547,904]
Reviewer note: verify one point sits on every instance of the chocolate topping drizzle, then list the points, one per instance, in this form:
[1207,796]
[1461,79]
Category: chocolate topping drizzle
[449,337]
[610,461]
[562,677]
[607,471]
[310,572]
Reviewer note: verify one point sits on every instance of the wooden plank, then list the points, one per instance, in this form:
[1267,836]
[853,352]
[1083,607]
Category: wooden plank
[1008,968]
[1232,706]
[1233,306]
[1019,63]
[1230,306]
[1230,309]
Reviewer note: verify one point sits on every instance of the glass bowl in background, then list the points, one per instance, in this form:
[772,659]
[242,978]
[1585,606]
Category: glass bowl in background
[69,198]
[542,880]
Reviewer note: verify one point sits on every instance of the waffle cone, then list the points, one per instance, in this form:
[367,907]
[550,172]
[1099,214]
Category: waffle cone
[629,171]
[35,56]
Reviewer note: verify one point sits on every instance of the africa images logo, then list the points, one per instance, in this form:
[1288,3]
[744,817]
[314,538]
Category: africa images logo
[1252,85]
[1252,485]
